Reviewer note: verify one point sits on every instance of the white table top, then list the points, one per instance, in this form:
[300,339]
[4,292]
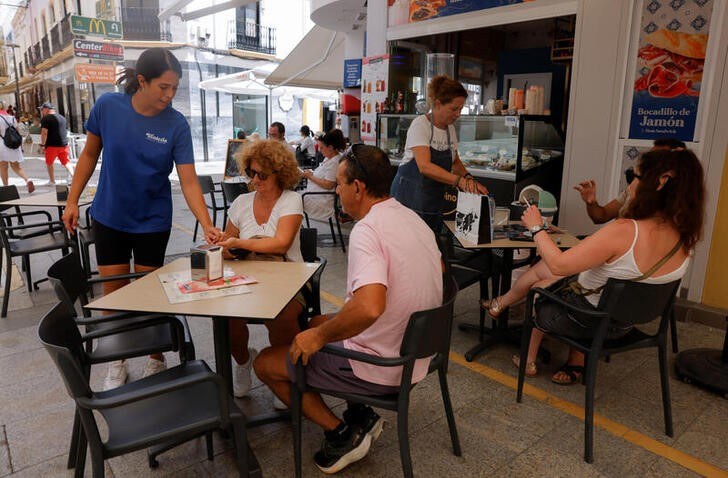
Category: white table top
[278,283]
[45,200]
[563,239]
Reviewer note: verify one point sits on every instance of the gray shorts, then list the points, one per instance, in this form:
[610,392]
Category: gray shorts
[331,372]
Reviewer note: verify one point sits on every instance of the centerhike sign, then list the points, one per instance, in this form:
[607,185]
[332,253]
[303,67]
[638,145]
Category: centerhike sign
[96,27]
[98,50]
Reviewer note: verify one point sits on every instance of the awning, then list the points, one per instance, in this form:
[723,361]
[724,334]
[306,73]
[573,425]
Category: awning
[305,66]
[250,82]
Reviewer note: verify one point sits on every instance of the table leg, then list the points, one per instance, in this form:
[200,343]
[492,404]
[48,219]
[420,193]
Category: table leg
[223,361]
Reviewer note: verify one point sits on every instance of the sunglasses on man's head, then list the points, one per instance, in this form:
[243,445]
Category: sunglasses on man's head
[630,175]
[352,154]
[251,173]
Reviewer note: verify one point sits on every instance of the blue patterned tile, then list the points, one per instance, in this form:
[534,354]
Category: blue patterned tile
[677,4]
[674,25]
[651,27]
[644,70]
[633,153]
[701,3]
[653,6]
[699,23]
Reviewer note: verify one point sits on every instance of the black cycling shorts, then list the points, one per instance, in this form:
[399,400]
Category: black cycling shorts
[115,247]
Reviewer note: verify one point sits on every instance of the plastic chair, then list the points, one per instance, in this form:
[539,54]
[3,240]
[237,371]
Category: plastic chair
[312,294]
[334,214]
[54,237]
[230,192]
[622,303]
[176,405]
[428,334]
[18,217]
[207,185]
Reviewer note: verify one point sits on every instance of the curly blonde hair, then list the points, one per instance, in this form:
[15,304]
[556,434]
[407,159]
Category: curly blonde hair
[274,157]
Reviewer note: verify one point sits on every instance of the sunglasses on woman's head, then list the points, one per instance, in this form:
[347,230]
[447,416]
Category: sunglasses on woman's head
[251,173]
[630,175]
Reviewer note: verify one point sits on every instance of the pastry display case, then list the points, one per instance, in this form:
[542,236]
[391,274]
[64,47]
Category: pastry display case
[506,153]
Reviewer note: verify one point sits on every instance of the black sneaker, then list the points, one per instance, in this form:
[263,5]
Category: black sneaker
[335,455]
[365,418]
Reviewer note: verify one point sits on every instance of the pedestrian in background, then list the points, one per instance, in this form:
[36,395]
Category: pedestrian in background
[11,157]
[143,138]
[54,140]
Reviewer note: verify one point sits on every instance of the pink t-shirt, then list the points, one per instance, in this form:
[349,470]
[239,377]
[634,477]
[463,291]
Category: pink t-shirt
[392,246]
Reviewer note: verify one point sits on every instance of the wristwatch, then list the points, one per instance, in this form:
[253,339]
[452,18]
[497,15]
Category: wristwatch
[536,229]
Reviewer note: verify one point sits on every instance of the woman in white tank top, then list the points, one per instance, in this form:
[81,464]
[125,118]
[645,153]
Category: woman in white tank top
[666,208]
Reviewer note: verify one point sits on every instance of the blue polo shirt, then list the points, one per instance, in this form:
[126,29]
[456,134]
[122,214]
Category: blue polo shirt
[134,193]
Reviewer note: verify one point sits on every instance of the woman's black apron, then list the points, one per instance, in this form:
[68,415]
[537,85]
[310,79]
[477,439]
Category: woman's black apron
[423,195]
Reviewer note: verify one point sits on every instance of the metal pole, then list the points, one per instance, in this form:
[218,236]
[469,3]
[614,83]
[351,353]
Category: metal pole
[17,84]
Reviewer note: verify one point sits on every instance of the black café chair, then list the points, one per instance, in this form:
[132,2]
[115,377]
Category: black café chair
[312,292]
[622,303]
[13,215]
[428,334]
[176,405]
[115,336]
[334,214]
[230,192]
[215,204]
[53,237]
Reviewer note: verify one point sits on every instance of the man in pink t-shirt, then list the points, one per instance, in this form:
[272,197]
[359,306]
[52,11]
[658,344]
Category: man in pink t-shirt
[394,270]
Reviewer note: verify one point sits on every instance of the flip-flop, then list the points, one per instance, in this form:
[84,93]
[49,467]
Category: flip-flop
[531,369]
[492,307]
[573,372]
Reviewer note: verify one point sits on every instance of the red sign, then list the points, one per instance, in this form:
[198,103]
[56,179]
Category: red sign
[89,73]
[98,50]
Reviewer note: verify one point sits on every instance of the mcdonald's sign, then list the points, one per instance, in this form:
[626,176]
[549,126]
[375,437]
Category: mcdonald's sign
[96,27]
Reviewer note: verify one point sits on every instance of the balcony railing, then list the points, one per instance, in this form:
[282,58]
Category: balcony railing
[45,48]
[141,23]
[253,37]
[61,34]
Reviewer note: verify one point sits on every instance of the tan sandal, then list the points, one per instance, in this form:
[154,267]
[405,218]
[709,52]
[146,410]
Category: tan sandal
[531,369]
[492,307]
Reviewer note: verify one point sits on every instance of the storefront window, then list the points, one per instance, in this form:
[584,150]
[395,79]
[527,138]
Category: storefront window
[249,114]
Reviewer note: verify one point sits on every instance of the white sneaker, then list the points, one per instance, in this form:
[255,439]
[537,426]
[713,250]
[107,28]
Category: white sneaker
[116,375]
[242,375]
[278,404]
[154,366]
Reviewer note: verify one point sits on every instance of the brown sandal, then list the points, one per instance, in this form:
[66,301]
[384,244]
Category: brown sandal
[492,307]
[531,369]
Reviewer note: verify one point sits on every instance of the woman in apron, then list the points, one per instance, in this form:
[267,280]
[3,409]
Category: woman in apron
[432,143]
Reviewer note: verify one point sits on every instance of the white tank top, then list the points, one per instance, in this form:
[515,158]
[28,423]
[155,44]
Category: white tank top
[625,267]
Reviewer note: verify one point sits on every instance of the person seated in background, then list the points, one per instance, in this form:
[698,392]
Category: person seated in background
[323,178]
[305,147]
[394,270]
[266,223]
[617,206]
[240,135]
[277,131]
[663,220]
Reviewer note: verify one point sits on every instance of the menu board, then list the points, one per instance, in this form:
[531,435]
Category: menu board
[374,81]
[231,165]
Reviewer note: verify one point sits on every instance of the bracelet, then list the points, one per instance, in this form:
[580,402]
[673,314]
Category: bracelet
[457,181]
[468,175]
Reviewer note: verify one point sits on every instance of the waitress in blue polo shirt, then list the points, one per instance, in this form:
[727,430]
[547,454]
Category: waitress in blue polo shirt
[142,137]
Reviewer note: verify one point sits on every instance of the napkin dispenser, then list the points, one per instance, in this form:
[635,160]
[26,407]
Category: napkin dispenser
[61,192]
[206,262]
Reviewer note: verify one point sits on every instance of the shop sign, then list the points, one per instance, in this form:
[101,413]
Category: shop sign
[90,73]
[352,73]
[670,62]
[98,50]
[411,11]
[374,81]
[96,27]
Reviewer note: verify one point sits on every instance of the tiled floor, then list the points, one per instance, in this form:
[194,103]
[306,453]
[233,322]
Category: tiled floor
[499,436]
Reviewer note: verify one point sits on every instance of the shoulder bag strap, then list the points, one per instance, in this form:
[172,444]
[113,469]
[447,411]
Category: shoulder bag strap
[660,263]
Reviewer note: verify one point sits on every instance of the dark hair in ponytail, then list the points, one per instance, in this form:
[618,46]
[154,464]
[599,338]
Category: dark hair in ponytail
[305,130]
[152,63]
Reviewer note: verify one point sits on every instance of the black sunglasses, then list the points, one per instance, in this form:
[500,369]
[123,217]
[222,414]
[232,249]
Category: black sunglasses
[630,175]
[352,155]
[251,173]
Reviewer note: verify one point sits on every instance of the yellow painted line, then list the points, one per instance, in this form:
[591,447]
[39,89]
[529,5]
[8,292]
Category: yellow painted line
[183,229]
[332,299]
[658,448]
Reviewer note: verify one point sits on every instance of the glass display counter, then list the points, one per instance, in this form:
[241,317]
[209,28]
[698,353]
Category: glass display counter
[506,153]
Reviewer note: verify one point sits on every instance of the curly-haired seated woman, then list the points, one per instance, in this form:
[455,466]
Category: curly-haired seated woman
[664,221]
[265,222]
